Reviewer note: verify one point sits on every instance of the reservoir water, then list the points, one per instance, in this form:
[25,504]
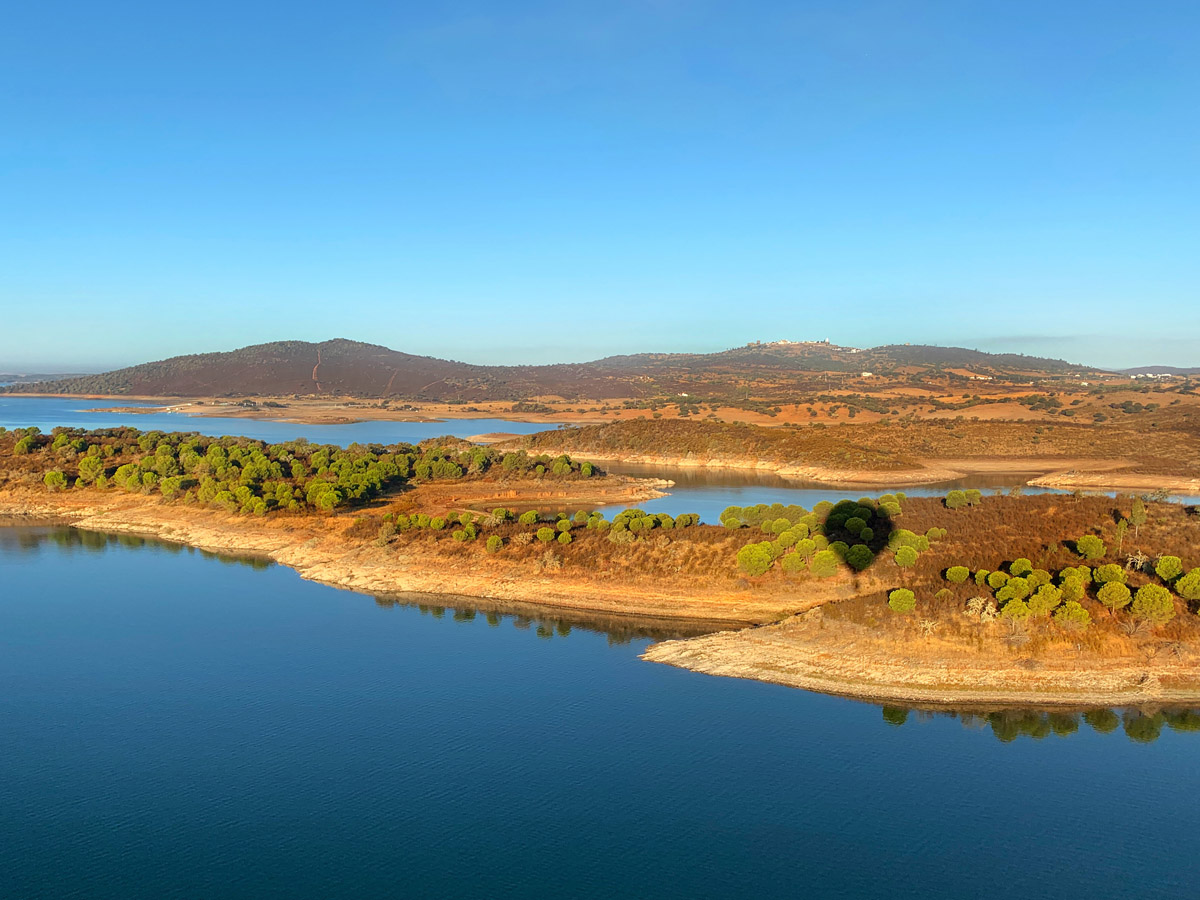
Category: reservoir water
[177,725]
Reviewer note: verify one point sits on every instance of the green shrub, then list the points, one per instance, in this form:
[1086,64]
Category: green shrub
[1015,609]
[957,574]
[1115,595]
[755,559]
[1168,568]
[1153,603]
[793,563]
[1090,547]
[906,557]
[1020,566]
[55,480]
[494,543]
[1072,615]
[859,557]
[1045,600]
[824,564]
[546,535]
[564,538]
[902,600]
[1188,587]
[529,517]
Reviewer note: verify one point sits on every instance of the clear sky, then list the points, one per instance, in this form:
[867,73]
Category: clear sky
[545,181]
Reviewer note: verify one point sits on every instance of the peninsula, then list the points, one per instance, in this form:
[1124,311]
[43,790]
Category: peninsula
[966,598]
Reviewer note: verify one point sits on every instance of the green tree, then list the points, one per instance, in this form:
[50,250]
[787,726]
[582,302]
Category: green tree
[1154,604]
[1073,588]
[824,564]
[755,559]
[1188,587]
[528,517]
[1137,517]
[1114,595]
[956,500]
[1168,568]
[1122,528]
[55,480]
[1045,600]
[494,543]
[793,562]
[564,538]
[1020,566]
[1072,615]
[902,600]
[90,468]
[957,574]
[906,557]
[546,535]
[1015,609]
[859,557]
[1109,572]
[1090,547]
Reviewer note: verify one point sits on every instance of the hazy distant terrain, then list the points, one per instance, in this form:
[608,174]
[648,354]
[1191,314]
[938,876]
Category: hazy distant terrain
[350,368]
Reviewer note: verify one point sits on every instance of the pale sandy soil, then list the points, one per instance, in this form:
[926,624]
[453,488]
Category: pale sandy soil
[1063,472]
[807,652]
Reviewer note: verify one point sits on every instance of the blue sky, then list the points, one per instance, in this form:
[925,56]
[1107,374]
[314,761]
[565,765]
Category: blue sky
[538,182]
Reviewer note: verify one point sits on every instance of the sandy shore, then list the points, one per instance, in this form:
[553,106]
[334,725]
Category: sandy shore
[317,549]
[1057,472]
[834,658]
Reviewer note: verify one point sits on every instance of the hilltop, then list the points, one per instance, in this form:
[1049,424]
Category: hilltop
[348,368]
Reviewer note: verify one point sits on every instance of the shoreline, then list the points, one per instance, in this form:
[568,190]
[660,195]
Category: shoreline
[782,639]
[1058,473]
[315,548]
[790,654]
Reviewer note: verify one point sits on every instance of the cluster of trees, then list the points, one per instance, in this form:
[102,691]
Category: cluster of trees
[627,526]
[961,499]
[1022,591]
[248,476]
[853,532]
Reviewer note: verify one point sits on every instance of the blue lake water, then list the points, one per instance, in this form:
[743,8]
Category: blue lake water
[51,412]
[179,726]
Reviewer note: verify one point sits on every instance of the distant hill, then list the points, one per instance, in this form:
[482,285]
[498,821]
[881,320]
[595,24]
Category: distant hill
[1160,370]
[30,378]
[350,368]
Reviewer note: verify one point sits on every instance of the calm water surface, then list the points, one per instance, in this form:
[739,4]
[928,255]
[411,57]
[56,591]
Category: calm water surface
[175,725]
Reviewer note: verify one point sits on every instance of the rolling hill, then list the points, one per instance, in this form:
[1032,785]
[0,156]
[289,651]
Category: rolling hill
[343,367]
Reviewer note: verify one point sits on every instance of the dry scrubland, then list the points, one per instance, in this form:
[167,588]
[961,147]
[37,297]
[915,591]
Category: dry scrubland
[1166,449]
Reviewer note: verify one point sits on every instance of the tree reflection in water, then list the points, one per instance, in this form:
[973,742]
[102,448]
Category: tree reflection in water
[1142,725]
[31,539]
